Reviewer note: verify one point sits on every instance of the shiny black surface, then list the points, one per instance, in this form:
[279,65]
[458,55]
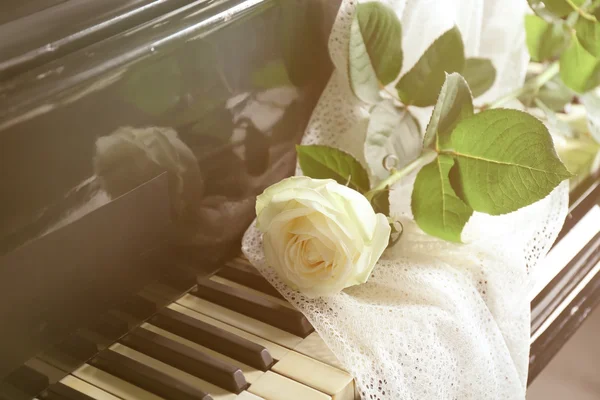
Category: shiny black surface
[11,10]
[223,85]
[215,75]
[63,26]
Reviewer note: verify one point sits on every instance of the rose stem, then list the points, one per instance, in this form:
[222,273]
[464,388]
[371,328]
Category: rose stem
[401,173]
[529,86]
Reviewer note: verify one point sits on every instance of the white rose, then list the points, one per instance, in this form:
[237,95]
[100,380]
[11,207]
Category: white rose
[320,236]
[130,156]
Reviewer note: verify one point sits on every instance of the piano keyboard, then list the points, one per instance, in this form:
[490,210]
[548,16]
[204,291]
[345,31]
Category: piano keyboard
[231,337]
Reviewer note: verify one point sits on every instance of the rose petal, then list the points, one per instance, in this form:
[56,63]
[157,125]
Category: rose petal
[358,208]
[375,250]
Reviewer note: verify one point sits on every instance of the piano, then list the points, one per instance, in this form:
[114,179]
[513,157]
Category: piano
[119,281]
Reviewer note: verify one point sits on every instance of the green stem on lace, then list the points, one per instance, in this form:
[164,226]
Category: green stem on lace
[395,176]
[531,85]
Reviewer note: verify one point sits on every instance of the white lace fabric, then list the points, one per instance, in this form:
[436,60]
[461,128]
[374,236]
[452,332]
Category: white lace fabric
[436,320]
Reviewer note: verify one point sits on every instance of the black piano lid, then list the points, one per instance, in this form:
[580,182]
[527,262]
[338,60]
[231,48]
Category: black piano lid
[64,26]
[199,70]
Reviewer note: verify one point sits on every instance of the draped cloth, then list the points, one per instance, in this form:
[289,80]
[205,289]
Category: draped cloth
[436,320]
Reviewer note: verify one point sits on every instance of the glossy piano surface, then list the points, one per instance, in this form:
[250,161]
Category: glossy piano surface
[215,93]
[225,85]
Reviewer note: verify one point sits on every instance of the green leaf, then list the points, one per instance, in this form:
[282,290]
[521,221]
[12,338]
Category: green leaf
[505,160]
[421,85]
[554,94]
[591,102]
[272,75]
[579,155]
[453,104]
[375,53]
[391,132]
[154,87]
[596,11]
[323,162]
[437,209]
[579,70]
[545,41]
[588,33]
[534,30]
[381,201]
[554,40]
[552,10]
[560,8]
[555,124]
[480,74]
[540,9]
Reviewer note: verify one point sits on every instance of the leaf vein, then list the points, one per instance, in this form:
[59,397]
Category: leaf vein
[472,157]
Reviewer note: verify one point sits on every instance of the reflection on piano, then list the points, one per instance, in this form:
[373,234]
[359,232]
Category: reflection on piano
[132,145]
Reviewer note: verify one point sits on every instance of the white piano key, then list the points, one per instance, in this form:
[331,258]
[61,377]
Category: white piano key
[248,396]
[276,351]
[251,374]
[272,386]
[216,392]
[274,299]
[240,321]
[87,389]
[322,377]
[298,367]
[112,384]
[313,346]
[565,250]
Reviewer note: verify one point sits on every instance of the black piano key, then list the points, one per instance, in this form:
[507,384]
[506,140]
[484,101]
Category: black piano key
[254,306]
[78,347]
[67,392]
[27,380]
[184,358]
[110,326]
[217,339]
[247,275]
[146,377]
[138,307]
